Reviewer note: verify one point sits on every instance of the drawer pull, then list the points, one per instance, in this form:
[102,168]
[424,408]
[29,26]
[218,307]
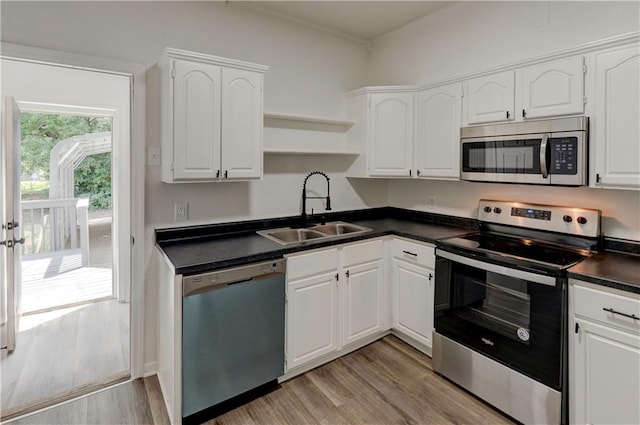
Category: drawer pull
[410,253]
[630,316]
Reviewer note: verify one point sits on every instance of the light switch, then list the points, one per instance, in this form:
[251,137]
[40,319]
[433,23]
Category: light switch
[153,157]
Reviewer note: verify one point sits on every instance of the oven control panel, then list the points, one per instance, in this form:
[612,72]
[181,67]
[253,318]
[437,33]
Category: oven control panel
[531,213]
[575,221]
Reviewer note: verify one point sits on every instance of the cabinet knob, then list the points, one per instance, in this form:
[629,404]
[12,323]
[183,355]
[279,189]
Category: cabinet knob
[581,220]
[567,219]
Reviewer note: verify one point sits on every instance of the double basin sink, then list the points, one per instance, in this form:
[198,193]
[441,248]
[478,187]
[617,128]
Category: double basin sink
[289,235]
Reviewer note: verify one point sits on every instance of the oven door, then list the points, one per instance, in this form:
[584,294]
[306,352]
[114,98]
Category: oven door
[513,316]
[545,158]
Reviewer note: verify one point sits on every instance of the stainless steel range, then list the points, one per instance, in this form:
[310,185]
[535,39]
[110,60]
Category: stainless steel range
[501,305]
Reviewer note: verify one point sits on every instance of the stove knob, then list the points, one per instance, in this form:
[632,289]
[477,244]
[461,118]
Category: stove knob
[567,219]
[497,210]
[581,220]
[487,209]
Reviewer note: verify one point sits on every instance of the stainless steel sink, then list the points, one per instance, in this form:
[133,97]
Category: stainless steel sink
[288,235]
[339,228]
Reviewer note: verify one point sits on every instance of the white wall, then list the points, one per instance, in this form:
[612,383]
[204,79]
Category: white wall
[475,36]
[309,73]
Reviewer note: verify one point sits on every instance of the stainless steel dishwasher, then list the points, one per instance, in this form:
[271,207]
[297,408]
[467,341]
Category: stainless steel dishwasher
[232,333]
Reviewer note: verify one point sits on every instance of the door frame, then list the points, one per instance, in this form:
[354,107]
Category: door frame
[136,74]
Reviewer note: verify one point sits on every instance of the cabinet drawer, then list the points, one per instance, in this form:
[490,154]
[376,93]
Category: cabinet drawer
[312,263]
[417,253]
[590,303]
[363,252]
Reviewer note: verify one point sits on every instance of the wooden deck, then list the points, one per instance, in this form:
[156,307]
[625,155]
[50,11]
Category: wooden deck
[57,279]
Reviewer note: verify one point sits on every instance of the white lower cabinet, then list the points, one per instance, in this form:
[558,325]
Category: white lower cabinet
[604,355]
[412,283]
[363,301]
[335,297]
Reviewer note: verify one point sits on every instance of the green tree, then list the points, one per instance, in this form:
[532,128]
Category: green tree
[41,132]
[93,176]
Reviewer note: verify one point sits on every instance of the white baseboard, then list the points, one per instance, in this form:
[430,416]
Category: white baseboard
[150,369]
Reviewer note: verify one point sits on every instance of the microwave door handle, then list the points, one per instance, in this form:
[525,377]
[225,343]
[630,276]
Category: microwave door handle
[543,156]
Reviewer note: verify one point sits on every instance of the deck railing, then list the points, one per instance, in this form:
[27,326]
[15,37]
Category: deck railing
[52,225]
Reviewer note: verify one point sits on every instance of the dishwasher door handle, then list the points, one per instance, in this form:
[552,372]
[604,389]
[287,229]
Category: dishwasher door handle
[197,284]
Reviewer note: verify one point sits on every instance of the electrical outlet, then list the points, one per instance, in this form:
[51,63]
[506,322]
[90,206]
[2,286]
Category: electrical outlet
[431,201]
[181,211]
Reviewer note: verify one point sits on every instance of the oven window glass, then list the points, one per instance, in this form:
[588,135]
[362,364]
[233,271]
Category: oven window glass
[512,156]
[500,304]
[513,321]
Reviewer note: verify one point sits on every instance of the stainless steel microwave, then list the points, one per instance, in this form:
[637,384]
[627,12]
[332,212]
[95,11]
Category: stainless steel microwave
[551,152]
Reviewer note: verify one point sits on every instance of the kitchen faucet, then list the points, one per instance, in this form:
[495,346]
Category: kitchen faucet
[303,216]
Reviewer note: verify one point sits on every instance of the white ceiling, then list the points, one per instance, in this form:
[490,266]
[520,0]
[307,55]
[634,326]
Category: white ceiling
[359,20]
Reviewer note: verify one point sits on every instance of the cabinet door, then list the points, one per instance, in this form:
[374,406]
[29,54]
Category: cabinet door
[363,299]
[553,88]
[615,130]
[196,120]
[242,119]
[391,134]
[438,137]
[605,384]
[413,301]
[312,318]
[490,98]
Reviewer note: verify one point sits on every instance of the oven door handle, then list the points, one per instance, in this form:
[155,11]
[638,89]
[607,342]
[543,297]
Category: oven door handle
[543,156]
[507,271]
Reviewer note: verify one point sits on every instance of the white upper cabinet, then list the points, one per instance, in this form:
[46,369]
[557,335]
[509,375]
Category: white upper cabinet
[438,117]
[490,98]
[553,88]
[615,133]
[212,118]
[196,120]
[242,118]
[383,131]
[391,134]
[546,89]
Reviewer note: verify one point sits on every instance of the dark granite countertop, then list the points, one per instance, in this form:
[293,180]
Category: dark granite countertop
[612,269]
[199,249]
[233,246]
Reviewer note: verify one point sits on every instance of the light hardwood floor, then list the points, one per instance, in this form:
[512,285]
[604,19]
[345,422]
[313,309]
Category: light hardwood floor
[387,382]
[60,352]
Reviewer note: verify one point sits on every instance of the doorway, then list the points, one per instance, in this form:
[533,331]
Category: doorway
[66,310]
